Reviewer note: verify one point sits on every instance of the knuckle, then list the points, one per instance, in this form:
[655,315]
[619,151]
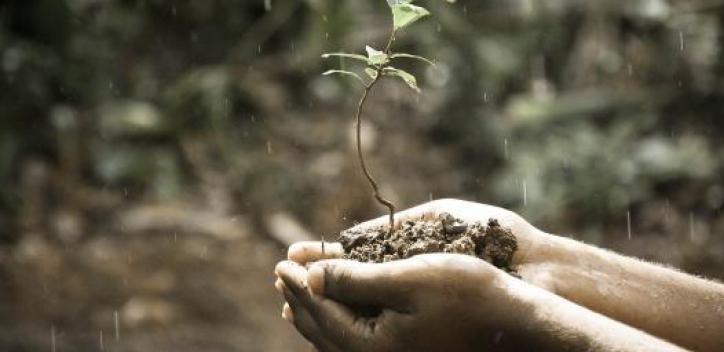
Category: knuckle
[340,276]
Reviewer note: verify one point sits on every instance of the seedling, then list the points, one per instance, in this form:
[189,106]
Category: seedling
[379,64]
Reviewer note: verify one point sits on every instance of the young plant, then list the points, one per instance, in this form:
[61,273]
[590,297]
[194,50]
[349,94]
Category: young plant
[379,64]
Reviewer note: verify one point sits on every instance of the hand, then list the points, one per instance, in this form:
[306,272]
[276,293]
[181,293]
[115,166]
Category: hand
[528,236]
[432,302]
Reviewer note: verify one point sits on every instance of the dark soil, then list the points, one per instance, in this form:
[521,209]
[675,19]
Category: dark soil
[443,234]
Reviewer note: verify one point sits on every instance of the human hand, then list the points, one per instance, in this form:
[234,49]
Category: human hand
[431,302]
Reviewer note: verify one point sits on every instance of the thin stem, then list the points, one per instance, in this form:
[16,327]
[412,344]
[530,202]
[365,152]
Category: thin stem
[360,155]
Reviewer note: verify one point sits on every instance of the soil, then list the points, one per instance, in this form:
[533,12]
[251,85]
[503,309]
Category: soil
[442,234]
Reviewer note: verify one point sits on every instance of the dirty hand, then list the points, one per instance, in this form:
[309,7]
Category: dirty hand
[431,302]
[528,236]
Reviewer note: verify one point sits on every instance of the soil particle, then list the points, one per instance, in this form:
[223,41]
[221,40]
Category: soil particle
[443,234]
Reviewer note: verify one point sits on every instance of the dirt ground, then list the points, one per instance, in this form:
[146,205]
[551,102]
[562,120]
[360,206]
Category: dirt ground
[148,288]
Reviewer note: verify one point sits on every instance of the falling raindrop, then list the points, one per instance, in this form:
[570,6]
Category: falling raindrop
[100,340]
[629,68]
[268,147]
[173,11]
[52,338]
[525,193]
[498,337]
[431,196]
[117,325]
[267,5]
[505,148]
[204,252]
[681,40]
[628,224]
[485,97]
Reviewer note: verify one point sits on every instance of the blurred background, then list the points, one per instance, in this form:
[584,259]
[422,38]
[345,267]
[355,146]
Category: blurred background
[156,156]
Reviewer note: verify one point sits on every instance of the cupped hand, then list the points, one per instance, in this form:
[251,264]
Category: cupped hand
[431,302]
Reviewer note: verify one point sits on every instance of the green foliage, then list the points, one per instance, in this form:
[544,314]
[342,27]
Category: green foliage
[408,78]
[406,14]
[376,57]
[345,55]
[344,73]
[403,15]
[520,92]
[410,56]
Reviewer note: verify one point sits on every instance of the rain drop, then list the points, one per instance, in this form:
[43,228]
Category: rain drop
[100,340]
[267,5]
[505,148]
[52,338]
[117,325]
[628,224]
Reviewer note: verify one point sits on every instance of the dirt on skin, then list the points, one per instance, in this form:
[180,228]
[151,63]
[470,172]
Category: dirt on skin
[443,234]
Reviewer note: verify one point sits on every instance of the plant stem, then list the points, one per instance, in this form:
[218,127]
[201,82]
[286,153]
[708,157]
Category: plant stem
[360,155]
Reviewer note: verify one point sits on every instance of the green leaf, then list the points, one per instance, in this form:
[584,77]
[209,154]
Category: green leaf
[409,79]
[370,72]
[345,55]
[405,14]
[344,73]
[376,57]
[410,56]
[397,2]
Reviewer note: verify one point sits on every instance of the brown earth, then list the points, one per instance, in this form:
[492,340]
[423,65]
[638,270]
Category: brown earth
[442,234]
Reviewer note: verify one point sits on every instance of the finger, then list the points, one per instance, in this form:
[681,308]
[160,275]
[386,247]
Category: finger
[386,285]
[294,277]
[311,251]
[339,324]
[297,311]
[305,323]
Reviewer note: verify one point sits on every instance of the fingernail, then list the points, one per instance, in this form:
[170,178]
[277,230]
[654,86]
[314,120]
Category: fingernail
[278,268]
[279,285]
[287,313]
[315,279]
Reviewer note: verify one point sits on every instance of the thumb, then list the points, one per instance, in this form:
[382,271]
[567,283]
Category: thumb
[386,285]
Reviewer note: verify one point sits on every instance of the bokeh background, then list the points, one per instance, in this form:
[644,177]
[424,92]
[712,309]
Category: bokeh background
[156,156]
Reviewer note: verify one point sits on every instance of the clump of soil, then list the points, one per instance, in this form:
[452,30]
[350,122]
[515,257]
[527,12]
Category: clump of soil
[445,233]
